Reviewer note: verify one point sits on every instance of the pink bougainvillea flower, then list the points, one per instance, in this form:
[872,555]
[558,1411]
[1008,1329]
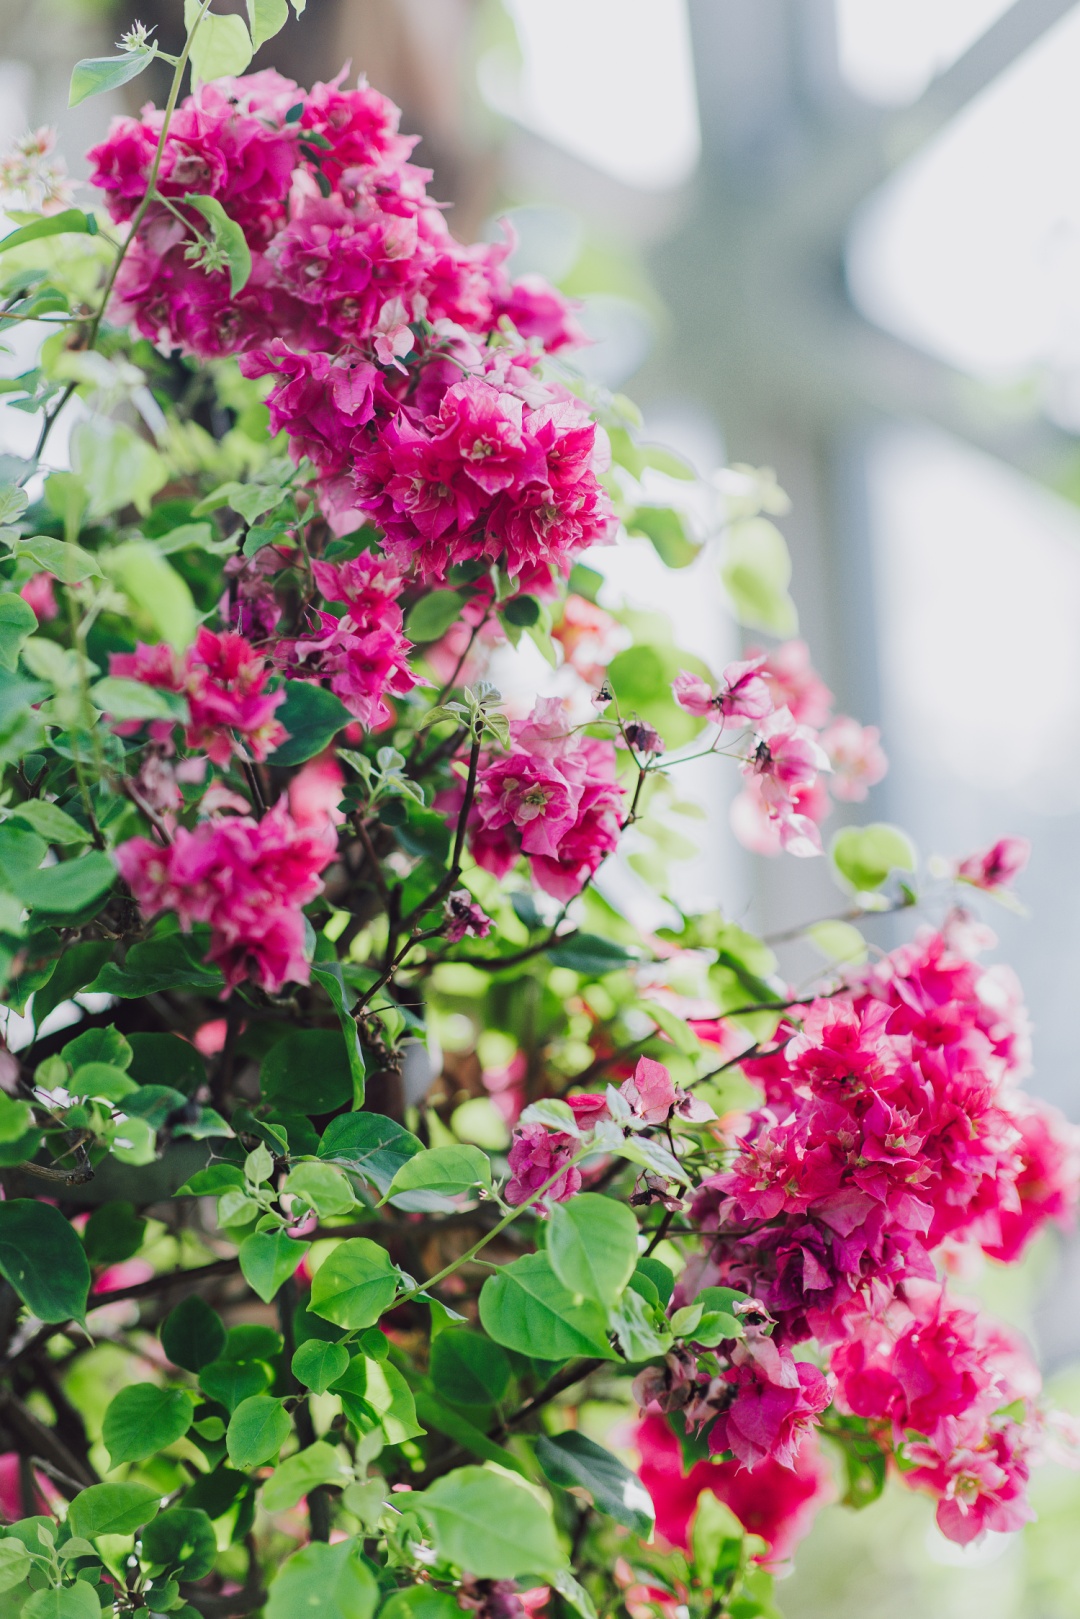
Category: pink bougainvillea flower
[786,761]
[535,1156]
[773,1403]
[778,1503]
[796,685]
[248,879]
[464,917]
[997,867]
[743,693]
[856,756]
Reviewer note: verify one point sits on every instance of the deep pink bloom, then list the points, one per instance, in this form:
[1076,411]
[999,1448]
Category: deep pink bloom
[363,655]
[997,867]
[553,797]
[856,756]
[778,1503]
[1048,1182]
[589,1109]
[39,595]
[465,917]
[773,1402]
[535,1156]
[248,879]
[224,680]
[315,793]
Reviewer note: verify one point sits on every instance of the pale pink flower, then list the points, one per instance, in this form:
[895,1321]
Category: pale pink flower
[856,756]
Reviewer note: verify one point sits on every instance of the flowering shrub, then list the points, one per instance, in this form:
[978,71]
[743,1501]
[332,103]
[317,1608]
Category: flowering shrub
[358,1146]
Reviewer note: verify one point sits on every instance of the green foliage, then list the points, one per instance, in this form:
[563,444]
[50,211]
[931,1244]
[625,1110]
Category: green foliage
[592,1246]
[143,1419]
[525,1306]
[575,1462]
[312,716]
[354,1285]
[865,856]
[489,1524]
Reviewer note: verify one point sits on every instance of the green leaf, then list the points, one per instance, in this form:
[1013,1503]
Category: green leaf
[159,964]
[489,1524]
[16,1120]
[73,221]
[374,1394]
[317,1364]
[265,19]
[132,700]
[269,1258]
[43,1259]
[211,1181]
[193,1334]
[232,1381]
[222,46]
[666,528]
[144,1418]
[324,1582]
[154,589]
[838,941]
[433,614]
[323,1188]
[50,822]
[298,1475]
[102,1080]
[640,1326]
[113,1233]
[716,1539]
[313,717]
[17,624]
[653,1271]
[590,954]
[574,1462]
[115,466]
[69,563]
[524,1306]
[70,887]
[332,980]
[756,571]
[355,1285]
[864,856]
[112,1509]
[96,74]
[183,1541]
[420,1602]
[592,1245]
[257,1430]
[468,1368]
[106,1045]
[444,1171]
[227,234]
[14,1563]
[78,1601]
[370,1145]
[522,611]
[307,1072]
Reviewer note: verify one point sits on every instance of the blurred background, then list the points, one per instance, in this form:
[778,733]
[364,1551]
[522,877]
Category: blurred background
[841,238]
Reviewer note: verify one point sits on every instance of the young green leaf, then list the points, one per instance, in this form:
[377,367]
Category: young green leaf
[73,221]
[227,236]
[355,1285]
[524,1306]
[298,1475]
[592,1245]
[17,623]
[269,1258]
[112,1509]
[318,1363]
[433,615]
[370,1145]
[257,1430]
[265,19]
[445,1171]
[96,74]
[144,1418]
[489,1524]
[324,1582]
[221,48]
